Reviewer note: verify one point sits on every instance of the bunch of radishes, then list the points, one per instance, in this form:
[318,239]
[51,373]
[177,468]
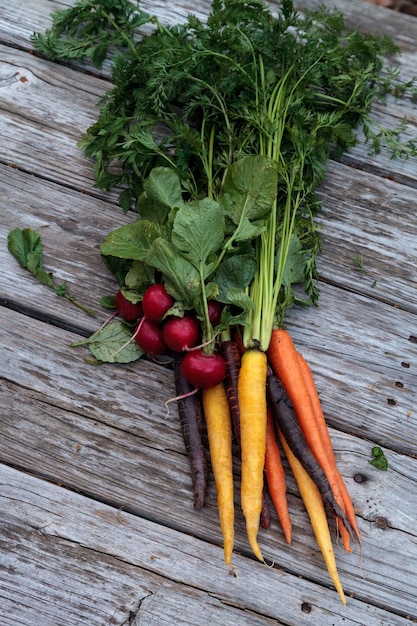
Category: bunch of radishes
[157,332]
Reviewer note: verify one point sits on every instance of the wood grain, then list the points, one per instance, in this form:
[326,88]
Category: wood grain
[97,524]
[40,514]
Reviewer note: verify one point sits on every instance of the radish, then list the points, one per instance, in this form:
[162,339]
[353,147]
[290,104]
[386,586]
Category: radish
[180,333]
[129,311]
[148,336]
[156,302]
[203,370]
[214,311]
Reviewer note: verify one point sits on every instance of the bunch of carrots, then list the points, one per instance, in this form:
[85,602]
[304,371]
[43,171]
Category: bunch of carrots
[269,402]
[222,132]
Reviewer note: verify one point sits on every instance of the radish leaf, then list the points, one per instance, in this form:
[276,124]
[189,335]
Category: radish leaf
[162,192]
[113,344]
[26,247]
[198,232]
[131,241]
[180,277]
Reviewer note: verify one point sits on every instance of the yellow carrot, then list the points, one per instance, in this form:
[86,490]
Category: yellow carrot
[253,414]
[219,431]
[315,508]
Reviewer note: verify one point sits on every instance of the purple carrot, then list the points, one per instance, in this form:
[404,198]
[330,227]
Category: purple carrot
[189,410]
[231,354]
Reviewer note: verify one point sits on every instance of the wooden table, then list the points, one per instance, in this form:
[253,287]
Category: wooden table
[97,522]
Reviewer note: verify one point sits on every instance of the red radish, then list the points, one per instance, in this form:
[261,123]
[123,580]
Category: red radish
[148,336]
[180,333]
[203,370]
[156,302]
[214,311]
[129,311]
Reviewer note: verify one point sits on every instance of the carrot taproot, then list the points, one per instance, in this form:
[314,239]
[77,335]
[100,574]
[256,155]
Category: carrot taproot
[253,410]
[322,426]
[189,410]
[219,432]
[275,478]
[265,518]
[231,354]
[283,358]
[314,506]
[287,423]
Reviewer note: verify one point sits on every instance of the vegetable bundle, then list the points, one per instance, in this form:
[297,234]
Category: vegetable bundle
[218,134]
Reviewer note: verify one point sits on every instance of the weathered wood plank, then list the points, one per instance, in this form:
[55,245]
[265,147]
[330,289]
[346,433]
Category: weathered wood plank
[115,465]
[29,82]
[104,432]
[364,356]
[41,514]
[375,221]
[72,226]
[368,353]
[20,21]
[65,581]
[89,430]
[370,18]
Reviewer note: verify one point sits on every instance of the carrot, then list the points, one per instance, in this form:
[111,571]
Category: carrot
[231,354]
[265,518]
[314,505]
[219,431]
[275,478]
[322,426]
[252,402]
[287,422]
[189,410]
[237,338]
[283,358]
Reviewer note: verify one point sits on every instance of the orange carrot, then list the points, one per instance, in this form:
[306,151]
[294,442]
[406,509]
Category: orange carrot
[275,478]
[252,402]
[322,426]
[219,431]
[315,508]
[283,358]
